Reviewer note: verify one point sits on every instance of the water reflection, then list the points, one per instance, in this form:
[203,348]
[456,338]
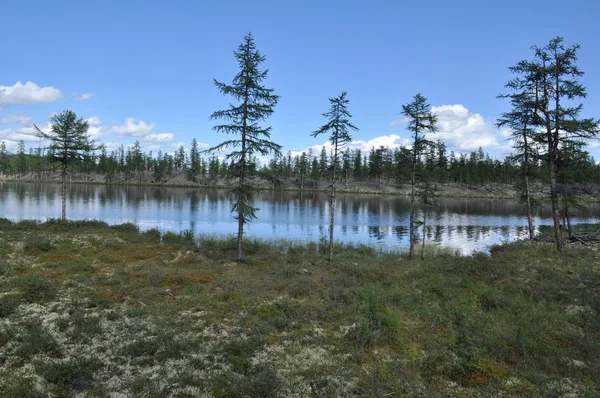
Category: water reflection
[467,224]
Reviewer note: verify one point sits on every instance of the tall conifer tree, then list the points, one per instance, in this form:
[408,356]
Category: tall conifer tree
[255,103]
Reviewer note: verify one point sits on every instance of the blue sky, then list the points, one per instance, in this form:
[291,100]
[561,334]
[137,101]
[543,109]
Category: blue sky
[144,69]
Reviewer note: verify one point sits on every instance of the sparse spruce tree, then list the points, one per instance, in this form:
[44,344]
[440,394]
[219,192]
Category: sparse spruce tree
[420,121]
[69,143]
[338,127]
[21,158]
[303,166]
[255,104]
[4,159]
[195,161]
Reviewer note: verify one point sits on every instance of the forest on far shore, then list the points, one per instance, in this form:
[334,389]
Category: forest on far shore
[384,166]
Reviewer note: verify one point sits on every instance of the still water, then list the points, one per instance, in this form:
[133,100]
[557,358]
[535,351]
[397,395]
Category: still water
[381,221]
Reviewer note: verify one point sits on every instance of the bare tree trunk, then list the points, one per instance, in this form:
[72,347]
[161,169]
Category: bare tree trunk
[555,207]
[526,178]
[346,178]
[529,213]
[64,191]
[569,229]
[332,215]
[423,245]
[331,222]
[241,216]
[411,253]
[240,256]
[560,245]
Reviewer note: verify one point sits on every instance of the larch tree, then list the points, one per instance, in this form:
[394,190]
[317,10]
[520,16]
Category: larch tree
[338,127]
[421,120]
[69,143]
[521,120]
[554,73]
[255,103]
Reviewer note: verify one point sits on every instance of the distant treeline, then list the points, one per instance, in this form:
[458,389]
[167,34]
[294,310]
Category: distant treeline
[383,165]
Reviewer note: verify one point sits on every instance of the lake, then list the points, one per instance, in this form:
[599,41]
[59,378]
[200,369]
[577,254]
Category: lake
[381,221]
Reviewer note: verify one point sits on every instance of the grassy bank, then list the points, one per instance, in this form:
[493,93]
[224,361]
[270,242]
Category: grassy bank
[105,311]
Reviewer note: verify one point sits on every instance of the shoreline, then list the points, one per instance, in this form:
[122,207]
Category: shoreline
[588,192]
[448,190]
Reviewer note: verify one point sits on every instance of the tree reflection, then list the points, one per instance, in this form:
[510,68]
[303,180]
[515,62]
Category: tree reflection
[372,219]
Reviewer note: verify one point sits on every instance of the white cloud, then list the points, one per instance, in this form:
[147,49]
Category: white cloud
[133,128]
[85,96]
[95,129]
[111,136]
[399,122]
[163,137]
[28,93]
[390,141]
[462,130]
[94,121]
[27,134]
[16,119]
[11,146]
[143,132]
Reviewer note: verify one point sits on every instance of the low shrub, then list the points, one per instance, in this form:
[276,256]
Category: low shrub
[8,304]
[187,236]
[153,233]
[20,388]
[35,339]
[35,289]
[37,245]
[127,227]
[5,268]
[71,375]
[170,238]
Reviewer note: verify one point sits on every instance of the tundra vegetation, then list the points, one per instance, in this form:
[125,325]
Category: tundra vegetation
[88,309]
